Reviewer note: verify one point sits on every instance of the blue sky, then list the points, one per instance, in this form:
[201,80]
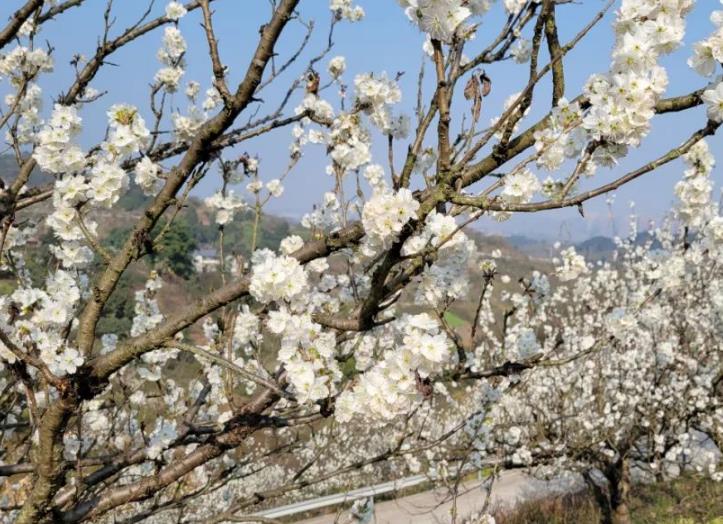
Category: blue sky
[383,41]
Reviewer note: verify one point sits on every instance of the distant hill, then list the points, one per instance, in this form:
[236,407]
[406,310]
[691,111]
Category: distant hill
[533,247]
[238,234]
[604,248]
[9,171]
[596,248]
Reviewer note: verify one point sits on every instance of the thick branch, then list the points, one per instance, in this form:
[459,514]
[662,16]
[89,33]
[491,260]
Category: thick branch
[487,204]
[526,139]
[17,20]
[103,366]
[198,152]
[238,429]
[553,46]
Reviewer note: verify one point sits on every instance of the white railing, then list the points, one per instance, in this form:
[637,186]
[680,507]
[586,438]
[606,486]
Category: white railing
[340,498]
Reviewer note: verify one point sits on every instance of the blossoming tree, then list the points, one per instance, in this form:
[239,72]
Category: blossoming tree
[647,405]
[311,374]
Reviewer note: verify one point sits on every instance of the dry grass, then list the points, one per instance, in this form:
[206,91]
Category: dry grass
[578,508]
[690,500]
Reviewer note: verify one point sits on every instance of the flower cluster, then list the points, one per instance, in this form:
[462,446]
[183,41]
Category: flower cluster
[520,186]
[40,319]
[446,279]
[175,11]
[107,181]
[390,387]
[225,205]
[521,51]
[625,326]
[611,353]
[578,366]
[344,9]
[147,316]
[28,109]
[694,191]
[562,138]
[76,193]
[623,101]
[572,265]
[186,126]
[23,62]
[317,107]
[55,151]
[515,6]
[350,143]
[147,173]
[128,132]
[713,99]
[441,19]
[308,354]
[337,66]
[275,277]
[375,95]
[147,312]
[171,55]
[708,54]
[162,435]
[326,216]
[386,213]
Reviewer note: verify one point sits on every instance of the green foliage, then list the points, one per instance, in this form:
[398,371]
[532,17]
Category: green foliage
[116,237]
[7,287]
[133,199]
[117,316]
[176,249]
[174,253]
[37,258]
[348,367]
[454,320]
[238,235]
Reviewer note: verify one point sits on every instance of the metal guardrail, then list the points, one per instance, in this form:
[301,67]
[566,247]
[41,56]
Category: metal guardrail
[340,498]
[349,496]
[560,485]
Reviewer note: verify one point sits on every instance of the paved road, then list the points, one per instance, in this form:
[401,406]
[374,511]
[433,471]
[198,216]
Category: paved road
[433,507]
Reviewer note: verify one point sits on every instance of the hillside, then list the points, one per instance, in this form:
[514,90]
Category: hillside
[194,232]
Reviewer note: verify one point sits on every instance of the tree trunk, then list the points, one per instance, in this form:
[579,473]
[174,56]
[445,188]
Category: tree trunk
[612,499]
[601,496]
[618,476]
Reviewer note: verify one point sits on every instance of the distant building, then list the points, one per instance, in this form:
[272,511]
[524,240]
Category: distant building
[206,260]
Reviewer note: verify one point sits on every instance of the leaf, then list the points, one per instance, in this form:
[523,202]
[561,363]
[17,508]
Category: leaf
[424,385]
[471,89]
[312,83]
[472,92]
[486,84]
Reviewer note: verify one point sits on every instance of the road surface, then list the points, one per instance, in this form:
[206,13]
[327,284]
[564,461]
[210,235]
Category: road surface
[433,507]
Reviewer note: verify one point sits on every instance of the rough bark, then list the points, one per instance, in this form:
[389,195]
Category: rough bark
[619,489]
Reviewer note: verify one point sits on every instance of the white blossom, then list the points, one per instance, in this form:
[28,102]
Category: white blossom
[276,277]
[175,11]
[713,99]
